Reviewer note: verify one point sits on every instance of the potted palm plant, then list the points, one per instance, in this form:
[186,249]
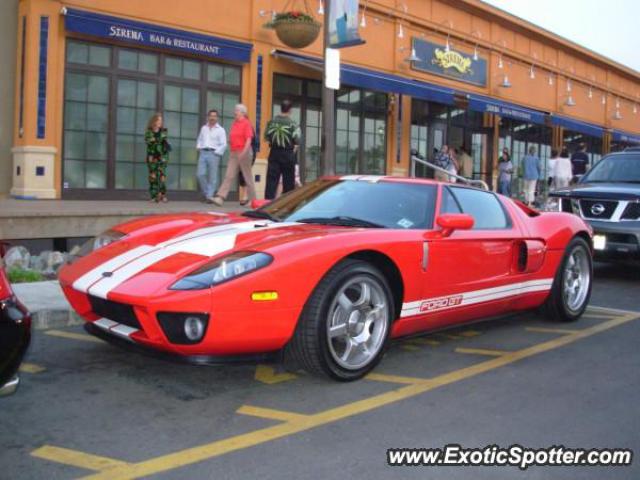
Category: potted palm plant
[295,29]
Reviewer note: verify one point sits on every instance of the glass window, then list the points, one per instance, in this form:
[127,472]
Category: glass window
[484,207]
[99,56]
[85,130]
[88,54]
[140,88]
[136,103]
[449,202]
[173,67]
[77,52]
[135,60]
[390,204]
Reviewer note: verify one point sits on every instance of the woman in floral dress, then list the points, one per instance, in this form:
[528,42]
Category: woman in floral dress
[157,152]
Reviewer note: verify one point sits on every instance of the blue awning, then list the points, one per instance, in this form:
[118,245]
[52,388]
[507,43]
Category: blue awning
[139,33]
[619,136]
[480,103]
[578,126]
[372,80]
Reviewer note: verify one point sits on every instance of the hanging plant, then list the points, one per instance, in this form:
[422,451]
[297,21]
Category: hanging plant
[294,28]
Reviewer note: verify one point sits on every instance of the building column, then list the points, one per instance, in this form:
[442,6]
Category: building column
[35,151]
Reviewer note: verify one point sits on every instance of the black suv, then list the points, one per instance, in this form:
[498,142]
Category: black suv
[608,198]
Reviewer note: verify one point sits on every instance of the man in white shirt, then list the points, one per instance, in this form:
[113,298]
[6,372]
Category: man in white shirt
[211,145]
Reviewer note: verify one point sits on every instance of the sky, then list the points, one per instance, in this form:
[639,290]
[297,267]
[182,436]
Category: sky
[608,27]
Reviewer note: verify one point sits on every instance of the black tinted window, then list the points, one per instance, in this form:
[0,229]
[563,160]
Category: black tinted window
[484,207]
[390,204]
[616,168]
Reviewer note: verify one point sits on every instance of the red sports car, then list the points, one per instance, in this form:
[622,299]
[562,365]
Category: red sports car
[329,273]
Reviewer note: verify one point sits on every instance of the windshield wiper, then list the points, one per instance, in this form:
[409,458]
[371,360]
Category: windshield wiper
[342,221]
[261,214]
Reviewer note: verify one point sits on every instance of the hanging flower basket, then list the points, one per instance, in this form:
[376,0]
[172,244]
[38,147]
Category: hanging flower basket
[295,29]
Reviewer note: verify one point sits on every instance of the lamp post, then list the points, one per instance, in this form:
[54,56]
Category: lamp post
[328,160]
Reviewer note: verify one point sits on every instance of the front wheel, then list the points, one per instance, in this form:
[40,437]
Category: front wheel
[344,328]
[572,284]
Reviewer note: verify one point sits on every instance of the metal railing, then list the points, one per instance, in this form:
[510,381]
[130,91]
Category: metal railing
[469,181]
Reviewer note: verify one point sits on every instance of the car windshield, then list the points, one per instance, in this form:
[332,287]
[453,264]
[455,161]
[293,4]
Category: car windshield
[615,168]
[366,204]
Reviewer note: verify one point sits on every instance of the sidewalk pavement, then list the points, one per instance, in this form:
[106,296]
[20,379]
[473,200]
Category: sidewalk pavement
[46,302]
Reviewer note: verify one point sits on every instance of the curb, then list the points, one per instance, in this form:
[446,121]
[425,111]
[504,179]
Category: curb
[45,319]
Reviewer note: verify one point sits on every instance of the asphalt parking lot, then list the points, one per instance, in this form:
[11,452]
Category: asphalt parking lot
[86,409]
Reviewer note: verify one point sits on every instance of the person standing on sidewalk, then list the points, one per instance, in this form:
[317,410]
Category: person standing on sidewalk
[505,169]
[283,136]
[551,169]
[158,149]
[531,174]
[465,161]
[444,161]
[211,145]
[240,138]
[562,170]
[579,162]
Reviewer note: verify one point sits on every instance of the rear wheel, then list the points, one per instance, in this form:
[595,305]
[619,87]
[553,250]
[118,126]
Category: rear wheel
[344,328]
[571,288]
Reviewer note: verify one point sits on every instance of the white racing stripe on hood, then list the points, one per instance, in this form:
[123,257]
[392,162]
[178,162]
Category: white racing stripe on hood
[207,242]
[104,286]
[92,276]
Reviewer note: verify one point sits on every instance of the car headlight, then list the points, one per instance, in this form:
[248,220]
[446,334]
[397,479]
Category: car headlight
[99,241]
[222,270]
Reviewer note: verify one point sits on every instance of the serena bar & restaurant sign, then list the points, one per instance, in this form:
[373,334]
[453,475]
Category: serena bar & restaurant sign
[141,33]
[439,60]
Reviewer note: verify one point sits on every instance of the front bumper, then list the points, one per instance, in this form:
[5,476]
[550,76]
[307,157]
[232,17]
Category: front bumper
[622,239]
[125,343]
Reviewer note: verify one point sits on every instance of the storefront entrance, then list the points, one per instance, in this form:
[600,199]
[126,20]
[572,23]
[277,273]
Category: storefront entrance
[434,125]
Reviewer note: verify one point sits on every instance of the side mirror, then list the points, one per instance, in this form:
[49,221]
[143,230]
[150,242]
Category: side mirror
[449,222]
[255,204]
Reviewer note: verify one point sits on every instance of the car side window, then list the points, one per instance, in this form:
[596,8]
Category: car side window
[485,208]
[449,202]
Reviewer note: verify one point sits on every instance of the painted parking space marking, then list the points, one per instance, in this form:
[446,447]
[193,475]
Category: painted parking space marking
[382,377]
[27,367]
[73,336]
[77,459]
[270,375]
[470,333]
[564,331]
[482,351]
[293,422]
[270,413]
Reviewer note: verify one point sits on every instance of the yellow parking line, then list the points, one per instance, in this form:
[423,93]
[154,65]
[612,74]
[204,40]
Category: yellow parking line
[424,341]
[73,336]
[31,368]
[450,336]
[409,348]
[270,413]
[566,331]
[207,451]
[611,311]
[77,459]
[381,377]
[470,333]
[482,351]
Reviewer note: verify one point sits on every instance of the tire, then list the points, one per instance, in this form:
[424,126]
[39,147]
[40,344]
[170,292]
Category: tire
[344,328]
[578,263]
